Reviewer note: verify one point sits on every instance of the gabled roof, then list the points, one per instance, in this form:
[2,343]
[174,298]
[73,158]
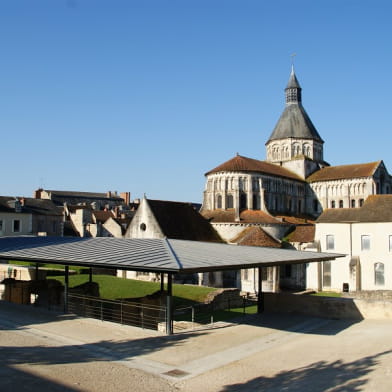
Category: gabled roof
[377,208]
[102,215]
[359,170]
[246,216]
[181,221]
[154,255]
[243,164]
[256,236]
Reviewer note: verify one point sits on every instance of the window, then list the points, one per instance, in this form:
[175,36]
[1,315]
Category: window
[1,225]
[360,202]
[243,201]
[352,203]
[229,201]
[330,242]
[333,204]
[326,274]
[219,202]
[379,274]
[340,203]
[365,242]
[16,226]
[315,205]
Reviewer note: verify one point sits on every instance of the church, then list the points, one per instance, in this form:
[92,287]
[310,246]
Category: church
[293,185]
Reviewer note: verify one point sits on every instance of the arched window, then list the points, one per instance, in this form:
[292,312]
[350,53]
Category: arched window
[333,204]
[340,203]
[229,201]
[219,201]
[256,202]
[243,201]
[379,274]
[353,203]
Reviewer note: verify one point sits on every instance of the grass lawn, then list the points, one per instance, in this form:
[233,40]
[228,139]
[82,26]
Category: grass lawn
[327,294]
[111,287]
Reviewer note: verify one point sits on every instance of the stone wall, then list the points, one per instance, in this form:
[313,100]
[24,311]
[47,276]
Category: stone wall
[329,307]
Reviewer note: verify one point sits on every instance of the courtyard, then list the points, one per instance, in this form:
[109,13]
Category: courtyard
[43,351]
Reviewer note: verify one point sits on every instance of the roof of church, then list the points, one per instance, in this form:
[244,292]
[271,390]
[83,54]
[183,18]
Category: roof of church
[246,216]
[344,171]
[256,236]
[243,164]
[377,208]
[302,233]
[29,205]
[180,220]
[294,121]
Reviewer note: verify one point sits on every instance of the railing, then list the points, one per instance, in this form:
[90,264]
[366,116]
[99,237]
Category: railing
[190,317]
[123,312]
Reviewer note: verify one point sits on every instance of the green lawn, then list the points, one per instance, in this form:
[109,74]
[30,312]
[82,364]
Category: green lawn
[327,294]
[111,287]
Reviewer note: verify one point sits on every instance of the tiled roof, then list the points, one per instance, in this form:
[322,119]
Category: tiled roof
[302,234]
[294,219]
[345,171]
[256,236]
[377,208]
[244,164]
[246,216]
[102,216]
[181,221]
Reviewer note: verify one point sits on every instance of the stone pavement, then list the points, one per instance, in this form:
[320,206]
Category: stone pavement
[265,352]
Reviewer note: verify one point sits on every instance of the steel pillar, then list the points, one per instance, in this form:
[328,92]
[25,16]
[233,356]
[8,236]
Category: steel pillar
[169,305]
[260,297]
[66,286]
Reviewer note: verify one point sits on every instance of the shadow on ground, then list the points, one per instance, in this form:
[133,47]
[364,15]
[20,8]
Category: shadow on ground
[320,376]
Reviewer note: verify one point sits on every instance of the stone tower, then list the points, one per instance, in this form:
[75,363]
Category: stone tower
[295,142]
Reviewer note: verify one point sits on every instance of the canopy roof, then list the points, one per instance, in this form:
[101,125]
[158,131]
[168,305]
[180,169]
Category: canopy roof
[153,255]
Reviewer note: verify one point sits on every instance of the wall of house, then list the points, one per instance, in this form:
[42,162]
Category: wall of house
[7,223]
[144,224]
[347,240]
[111,229]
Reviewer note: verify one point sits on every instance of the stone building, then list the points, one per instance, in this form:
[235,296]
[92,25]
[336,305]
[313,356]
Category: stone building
[291,187]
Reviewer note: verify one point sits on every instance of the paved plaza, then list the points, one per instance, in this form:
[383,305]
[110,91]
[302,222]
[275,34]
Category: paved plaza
[43,351]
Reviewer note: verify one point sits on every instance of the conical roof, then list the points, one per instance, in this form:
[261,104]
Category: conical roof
[294,121]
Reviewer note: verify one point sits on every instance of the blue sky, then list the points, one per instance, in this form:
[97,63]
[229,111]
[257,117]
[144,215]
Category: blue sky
[146,96]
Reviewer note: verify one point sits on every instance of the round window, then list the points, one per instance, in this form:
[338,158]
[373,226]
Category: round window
[143,226]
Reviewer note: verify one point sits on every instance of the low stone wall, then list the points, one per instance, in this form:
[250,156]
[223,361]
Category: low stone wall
[328,307]
[374,295]
[225,298]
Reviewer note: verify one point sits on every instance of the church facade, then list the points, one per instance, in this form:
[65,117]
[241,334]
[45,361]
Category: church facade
[293,181]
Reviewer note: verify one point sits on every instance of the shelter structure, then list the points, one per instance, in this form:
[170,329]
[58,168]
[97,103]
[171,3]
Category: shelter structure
[165,256]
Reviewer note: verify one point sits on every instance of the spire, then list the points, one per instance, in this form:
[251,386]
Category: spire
[293,89]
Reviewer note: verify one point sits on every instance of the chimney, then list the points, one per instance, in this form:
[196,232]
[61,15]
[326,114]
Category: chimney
[126,196]
[108,194]
[37,193]
[22,201]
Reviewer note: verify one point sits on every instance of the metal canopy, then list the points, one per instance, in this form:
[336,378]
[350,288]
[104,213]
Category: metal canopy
[150,255]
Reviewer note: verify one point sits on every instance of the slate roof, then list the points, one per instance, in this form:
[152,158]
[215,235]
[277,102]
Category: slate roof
[377,208]
[31,206]
[243,164]
[246,216]
[294,122]
[181,221]
[359,170]
[256,236]
[153,255]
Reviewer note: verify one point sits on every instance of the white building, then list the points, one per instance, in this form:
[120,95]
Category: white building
[365,236]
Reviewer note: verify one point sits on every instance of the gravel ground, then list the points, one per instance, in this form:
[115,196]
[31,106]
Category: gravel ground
[40,351]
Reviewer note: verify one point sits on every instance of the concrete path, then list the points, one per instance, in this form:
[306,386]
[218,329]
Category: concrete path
[268,352]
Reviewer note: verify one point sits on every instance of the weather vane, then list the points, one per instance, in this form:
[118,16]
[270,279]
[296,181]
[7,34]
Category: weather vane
[292,58]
